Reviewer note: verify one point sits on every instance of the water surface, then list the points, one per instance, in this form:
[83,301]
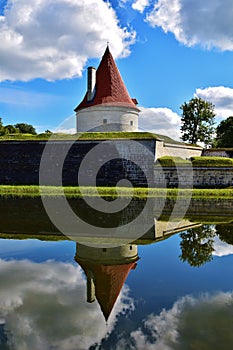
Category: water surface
[170,289]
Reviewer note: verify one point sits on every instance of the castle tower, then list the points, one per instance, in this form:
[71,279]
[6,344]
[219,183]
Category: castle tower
[106,105]
[106,270]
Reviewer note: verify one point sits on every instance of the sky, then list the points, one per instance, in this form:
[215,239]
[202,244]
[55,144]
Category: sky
[168,51]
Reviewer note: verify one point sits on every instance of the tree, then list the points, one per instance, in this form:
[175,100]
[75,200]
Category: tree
[197,121]
[25,128]
[10,129]
[224,133]
[2,132]
[197,245]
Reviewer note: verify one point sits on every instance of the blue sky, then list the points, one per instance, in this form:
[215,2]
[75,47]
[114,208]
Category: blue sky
[167,51]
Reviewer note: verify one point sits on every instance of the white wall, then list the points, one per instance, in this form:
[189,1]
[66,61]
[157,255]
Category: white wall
[176,150]
[118,119]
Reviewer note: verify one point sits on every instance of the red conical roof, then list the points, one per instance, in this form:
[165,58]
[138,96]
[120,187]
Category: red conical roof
[110,88]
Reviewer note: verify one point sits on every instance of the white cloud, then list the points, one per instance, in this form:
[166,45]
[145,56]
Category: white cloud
[222,248]
[65,131]
[67,126]
[221,97]
[52,39]
[140,5]
[44,306]
[186,322]
[160,121]
[208,23]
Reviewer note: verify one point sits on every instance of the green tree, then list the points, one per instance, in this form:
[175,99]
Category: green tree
[197,121]
[25,128]
[10,129]
[224,133]
[2,131]
[197,245]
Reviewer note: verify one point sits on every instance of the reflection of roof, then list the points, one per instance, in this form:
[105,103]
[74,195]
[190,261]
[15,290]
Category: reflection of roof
[108,280]
[110,88]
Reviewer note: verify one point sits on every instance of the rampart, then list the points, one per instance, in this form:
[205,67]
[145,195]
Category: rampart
[197,177]
[20,162]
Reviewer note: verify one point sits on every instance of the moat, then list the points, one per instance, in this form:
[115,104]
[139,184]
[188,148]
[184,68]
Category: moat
[170,289]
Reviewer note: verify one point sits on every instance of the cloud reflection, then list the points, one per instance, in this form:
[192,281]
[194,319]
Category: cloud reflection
[44,307]
[192,323]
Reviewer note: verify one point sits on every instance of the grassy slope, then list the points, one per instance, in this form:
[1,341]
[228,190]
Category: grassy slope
[80,136]
[201,161]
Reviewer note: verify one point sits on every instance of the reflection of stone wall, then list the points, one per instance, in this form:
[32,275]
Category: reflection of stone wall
[198,177]
[27,216]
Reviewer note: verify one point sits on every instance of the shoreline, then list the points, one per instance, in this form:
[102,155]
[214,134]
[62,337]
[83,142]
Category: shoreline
[113,192]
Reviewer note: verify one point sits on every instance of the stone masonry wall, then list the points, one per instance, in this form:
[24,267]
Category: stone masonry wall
[228,153]
[176,150]
[188,177]
[116,160]
[20,162]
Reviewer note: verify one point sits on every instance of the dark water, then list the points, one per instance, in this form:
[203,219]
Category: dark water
[170,289]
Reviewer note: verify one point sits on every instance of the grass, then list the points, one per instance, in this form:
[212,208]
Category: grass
[90,136]
[42,237]
[80,136]
[211,161]
[203,161]
[168,161]
[113,192]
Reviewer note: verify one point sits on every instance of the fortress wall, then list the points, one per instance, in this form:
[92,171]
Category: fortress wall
[198,177]
[122,159]
[20,162]
[176,150]
[183,151]
[228,153]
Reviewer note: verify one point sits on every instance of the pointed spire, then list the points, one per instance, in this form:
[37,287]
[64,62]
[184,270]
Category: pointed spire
[110,88]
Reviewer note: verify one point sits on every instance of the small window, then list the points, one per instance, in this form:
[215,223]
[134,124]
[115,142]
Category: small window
[104,249]
[131,122]
[105,121]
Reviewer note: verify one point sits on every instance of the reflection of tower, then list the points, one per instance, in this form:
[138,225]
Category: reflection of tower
[106,270]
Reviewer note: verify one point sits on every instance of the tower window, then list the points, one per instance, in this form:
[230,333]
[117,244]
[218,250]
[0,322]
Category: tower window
[105,121]
[131,122]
